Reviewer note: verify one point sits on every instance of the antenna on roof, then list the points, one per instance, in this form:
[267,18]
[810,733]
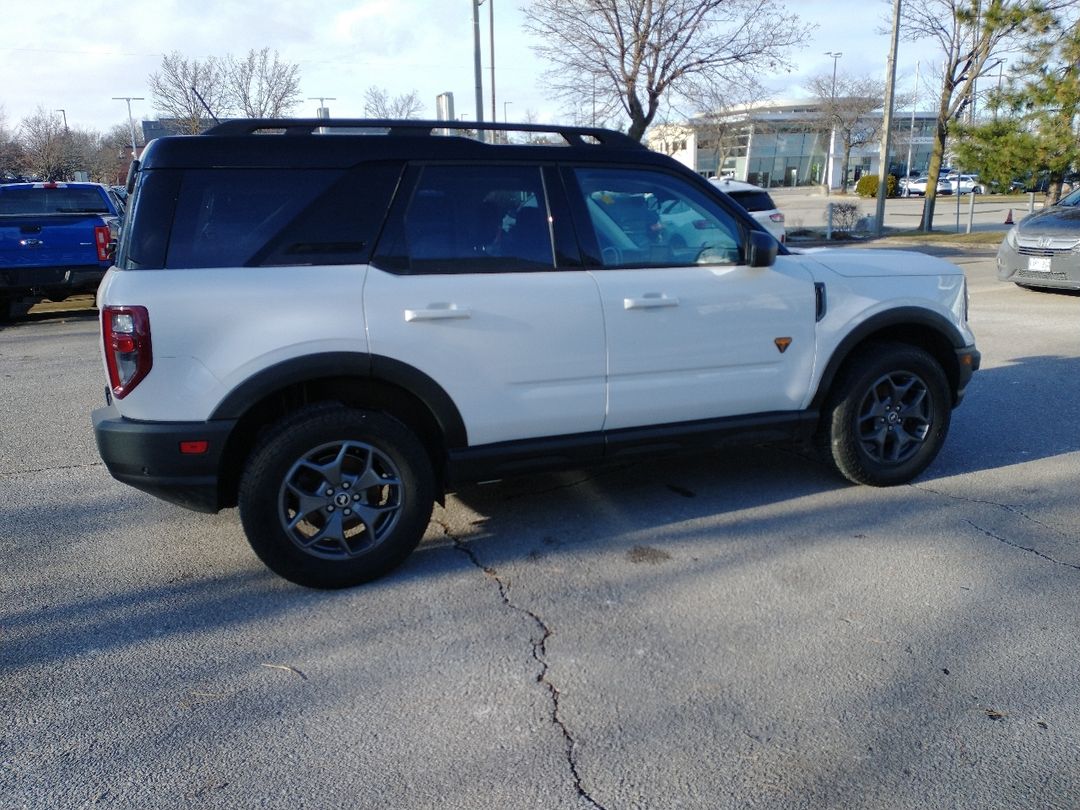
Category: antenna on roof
[205,105]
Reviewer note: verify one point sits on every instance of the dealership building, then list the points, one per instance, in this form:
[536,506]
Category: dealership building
[775,144]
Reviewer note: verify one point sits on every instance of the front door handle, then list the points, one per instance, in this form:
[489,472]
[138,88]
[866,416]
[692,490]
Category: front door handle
[438,312]
[650,301]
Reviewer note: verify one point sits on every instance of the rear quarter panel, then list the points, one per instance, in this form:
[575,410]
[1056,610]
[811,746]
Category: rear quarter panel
[213,329]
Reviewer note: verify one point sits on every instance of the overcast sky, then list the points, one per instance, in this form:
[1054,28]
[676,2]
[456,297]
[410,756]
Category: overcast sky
[76,55]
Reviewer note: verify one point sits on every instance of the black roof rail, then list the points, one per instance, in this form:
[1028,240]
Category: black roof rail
[574,136]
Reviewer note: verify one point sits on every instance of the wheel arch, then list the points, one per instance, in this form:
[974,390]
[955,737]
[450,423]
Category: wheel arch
[914,326]
[359,380]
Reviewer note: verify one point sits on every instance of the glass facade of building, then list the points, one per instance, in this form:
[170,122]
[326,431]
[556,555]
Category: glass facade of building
[788,145]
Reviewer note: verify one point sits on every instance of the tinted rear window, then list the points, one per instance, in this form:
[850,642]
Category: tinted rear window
[753,200]
[257,217]
[52,201]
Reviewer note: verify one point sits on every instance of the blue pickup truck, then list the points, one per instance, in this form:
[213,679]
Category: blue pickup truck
[56,240]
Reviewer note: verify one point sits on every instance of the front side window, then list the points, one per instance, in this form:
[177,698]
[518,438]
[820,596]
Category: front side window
[644,218]
[473,219]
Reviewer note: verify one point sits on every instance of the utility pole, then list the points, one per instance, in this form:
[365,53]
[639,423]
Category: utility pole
[890,86]
[131,121]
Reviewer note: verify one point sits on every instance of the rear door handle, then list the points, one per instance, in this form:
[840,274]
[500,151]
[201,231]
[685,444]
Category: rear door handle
[650,301]
[438,312]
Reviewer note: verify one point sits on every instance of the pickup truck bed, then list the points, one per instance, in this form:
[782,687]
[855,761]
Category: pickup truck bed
[55,240]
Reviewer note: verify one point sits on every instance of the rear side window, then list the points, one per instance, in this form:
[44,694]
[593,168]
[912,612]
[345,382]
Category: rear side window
[472,219]
[52,201]
[753,200]
[257,217]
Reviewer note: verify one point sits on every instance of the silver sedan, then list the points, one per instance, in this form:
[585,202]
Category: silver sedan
[1043,249]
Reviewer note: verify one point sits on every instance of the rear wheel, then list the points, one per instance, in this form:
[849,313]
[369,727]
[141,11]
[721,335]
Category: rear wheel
[888,415]
[336,496]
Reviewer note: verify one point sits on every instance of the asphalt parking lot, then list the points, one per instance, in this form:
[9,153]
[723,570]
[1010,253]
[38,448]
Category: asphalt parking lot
[745,631]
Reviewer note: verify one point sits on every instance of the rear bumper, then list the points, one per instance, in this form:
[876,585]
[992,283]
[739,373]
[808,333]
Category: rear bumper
[146,455]
[15,281]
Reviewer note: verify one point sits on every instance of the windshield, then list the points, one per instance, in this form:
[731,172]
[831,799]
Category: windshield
[1072,198]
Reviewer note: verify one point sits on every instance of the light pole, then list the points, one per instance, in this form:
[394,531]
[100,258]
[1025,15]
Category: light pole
[322,100]
[477,70]
[64,114]
[505,119]
[131,121]
[911,130]
[835,56]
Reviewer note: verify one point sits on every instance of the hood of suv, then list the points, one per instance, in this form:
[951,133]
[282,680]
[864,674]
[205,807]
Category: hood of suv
[868,263]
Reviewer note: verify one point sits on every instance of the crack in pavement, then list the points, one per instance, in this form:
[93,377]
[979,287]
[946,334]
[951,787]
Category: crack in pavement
[4,473]
[1019,547]
[539,654]
[1012,510]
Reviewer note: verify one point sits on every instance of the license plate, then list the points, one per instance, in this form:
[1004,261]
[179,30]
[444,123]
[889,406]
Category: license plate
[1038,264]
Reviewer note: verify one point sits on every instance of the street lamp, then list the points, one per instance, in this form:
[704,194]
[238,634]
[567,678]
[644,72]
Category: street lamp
[835,56]
[64,114]
[505,119]
[911,130]
[322,100]
[131,121]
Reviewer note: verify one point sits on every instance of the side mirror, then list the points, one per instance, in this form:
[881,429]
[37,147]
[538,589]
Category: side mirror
[761,249]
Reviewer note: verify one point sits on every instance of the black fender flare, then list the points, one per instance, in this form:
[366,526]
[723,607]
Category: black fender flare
[893,319]
[312,367]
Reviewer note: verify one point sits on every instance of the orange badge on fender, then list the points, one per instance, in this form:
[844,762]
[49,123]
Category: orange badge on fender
[782,344]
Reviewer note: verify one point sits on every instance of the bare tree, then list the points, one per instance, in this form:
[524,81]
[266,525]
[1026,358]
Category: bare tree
[847,108]
[10,149]
[971,33]
[44,141]
[260,85]
[720,122]
[180,84]
[629,54]
[378,104]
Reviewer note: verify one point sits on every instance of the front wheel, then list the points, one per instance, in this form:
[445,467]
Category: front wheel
[335,496]
[888,415]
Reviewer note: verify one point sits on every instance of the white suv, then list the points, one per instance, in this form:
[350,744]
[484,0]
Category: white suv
[331,330]
[757,201]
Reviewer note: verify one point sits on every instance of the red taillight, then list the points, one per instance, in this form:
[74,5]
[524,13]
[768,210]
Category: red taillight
[776,217]
[128,355]
[102,241]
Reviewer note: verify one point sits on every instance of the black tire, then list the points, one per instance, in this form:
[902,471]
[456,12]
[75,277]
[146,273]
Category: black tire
[887,416]
[334,496]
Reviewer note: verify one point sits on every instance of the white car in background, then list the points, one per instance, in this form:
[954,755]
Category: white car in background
[965,184]
[757,202]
